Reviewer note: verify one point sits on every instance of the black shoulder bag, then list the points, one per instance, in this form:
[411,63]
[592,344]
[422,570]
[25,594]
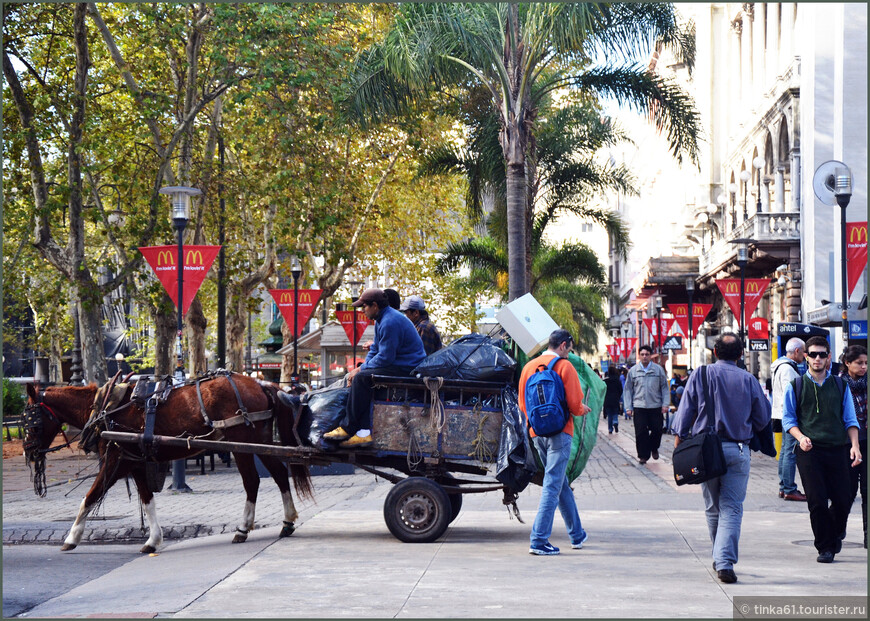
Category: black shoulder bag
[700,458]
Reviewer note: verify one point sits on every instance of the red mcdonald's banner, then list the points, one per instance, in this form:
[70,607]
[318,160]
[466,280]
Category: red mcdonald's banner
[197,262]
[308,299]
[753,292]
[699,313]
[346,320]
[856,252]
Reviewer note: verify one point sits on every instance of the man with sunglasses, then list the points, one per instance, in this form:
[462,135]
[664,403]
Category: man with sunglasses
[820,414]
[396,350]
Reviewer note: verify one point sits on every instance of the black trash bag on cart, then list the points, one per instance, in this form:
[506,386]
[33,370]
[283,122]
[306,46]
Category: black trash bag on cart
[471,357]
[322,410]
[515,466]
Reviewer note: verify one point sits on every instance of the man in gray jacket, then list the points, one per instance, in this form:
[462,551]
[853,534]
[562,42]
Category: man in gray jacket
[783,372]
[646,398]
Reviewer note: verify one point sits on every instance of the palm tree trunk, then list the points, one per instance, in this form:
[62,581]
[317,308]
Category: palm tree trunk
[516,225]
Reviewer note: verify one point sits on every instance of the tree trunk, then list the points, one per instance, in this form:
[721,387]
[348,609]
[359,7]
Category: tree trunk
[195,324]
[237,316]
[287,361]
[165,328]
[516,225]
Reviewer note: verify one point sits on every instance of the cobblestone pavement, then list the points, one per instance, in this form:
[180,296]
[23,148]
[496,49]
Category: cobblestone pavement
[612,480]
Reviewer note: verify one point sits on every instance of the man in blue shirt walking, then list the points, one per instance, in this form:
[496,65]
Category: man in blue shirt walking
[739,409]
[396,350]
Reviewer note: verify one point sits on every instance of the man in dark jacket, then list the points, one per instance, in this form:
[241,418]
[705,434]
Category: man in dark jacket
[396,350]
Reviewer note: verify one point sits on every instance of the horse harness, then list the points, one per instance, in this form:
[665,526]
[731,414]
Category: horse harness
[33,426]
[148,394]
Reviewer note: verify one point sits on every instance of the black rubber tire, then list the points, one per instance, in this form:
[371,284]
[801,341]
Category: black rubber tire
[417,510]
[455,499]
[455,505]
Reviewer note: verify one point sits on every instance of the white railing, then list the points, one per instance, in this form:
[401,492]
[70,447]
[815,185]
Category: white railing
[761,227]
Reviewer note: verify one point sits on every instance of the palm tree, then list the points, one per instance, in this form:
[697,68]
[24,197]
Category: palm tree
[568,175]
[568,280]
[521,53]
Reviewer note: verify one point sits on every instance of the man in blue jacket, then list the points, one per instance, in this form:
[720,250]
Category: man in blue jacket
[396,350]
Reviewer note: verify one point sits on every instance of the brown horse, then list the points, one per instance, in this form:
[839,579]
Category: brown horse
[184,413]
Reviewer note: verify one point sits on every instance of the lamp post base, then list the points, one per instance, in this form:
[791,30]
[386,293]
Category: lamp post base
[178,484]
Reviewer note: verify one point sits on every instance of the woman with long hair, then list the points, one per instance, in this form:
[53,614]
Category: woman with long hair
[855,374]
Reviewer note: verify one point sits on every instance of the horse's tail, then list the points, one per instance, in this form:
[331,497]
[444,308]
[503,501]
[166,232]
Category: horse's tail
[285,415]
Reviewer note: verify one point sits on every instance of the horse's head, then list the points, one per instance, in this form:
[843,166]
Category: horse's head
[41,425]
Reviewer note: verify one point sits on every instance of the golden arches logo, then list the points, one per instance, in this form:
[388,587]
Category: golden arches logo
[305,298]
[858,234]
[680,310]
[194,258]
[731,287]
[285,298]
[752,287]
[165,257]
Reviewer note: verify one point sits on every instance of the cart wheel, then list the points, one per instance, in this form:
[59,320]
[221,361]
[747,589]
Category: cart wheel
[455,505]
[455,499]
[417,510]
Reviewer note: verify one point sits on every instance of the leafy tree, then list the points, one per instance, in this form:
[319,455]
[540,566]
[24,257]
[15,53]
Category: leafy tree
[520,53]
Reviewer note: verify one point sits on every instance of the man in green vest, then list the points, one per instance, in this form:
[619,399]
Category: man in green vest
[820,414]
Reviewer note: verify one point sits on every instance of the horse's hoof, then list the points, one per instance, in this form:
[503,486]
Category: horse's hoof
[67,547]
[240,538]
[289,529]
[148,550]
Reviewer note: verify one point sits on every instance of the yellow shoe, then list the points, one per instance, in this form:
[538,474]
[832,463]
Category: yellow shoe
[337,434]
[356,442]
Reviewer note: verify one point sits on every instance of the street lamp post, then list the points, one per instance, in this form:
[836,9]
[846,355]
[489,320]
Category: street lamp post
[179,198]
[658,306]
[758,164]
[745,177]
[843,193]
[742,260]
[690,290]
[355,286]
[296,271]
[732,190]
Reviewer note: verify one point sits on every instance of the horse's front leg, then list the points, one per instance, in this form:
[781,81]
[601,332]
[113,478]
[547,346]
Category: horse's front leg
[78,528]
[106,477]
[279,473]
[155,532]
[251,481]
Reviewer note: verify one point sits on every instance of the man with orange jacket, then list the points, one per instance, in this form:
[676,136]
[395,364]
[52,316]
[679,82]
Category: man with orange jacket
[555,450]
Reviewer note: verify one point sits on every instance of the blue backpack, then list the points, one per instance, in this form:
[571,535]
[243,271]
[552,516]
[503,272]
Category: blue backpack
[545,401]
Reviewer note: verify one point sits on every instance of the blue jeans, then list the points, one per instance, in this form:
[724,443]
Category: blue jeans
[723,497]
[787,464]
[554,453]
[612,418]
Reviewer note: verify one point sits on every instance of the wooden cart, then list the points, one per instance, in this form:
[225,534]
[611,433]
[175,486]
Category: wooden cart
[426,432]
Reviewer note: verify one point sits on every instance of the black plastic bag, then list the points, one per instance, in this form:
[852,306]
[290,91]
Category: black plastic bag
[471,357]
[322,411]
[516,464]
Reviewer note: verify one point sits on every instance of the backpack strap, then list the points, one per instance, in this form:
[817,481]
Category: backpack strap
[798,384]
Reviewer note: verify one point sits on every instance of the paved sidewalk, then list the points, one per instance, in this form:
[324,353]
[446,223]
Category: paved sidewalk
[648,555]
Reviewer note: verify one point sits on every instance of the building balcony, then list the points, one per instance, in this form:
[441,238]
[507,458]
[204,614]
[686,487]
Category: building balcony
[772,233]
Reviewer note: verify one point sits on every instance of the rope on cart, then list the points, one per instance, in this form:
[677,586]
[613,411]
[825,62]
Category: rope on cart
[436,407]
